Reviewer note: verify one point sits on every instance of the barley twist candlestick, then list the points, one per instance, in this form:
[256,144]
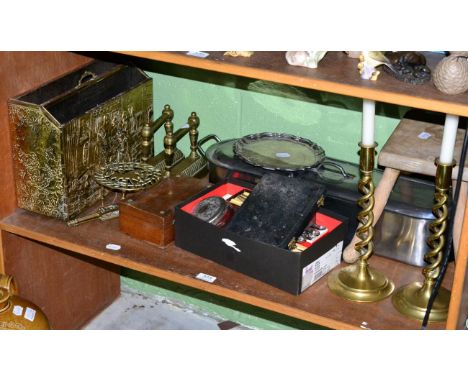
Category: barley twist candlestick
[358,282]
[412,299]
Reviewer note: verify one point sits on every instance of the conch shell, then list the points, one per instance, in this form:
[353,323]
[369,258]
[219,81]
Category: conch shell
[309,58]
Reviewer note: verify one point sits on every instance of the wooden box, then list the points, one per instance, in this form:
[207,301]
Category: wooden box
[65,130]
[149,215]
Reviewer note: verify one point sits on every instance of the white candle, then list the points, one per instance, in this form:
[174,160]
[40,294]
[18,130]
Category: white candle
[448,139]
[368,116]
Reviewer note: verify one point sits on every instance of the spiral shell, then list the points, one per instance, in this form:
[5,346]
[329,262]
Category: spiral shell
[451,75]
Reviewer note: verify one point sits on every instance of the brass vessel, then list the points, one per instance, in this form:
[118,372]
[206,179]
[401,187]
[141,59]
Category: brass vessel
[17,313]
[359,282]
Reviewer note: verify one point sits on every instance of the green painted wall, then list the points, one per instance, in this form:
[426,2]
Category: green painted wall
[232,107]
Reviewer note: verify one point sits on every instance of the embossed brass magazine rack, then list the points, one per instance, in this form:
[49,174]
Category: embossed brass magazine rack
[66,129]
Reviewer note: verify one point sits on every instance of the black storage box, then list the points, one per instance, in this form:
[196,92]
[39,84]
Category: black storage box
[287,270]
[400,233]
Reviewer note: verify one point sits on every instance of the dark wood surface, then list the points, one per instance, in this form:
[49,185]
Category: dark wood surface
[317,304]
[149,214]
[71,289]
[20,72]
[336,73]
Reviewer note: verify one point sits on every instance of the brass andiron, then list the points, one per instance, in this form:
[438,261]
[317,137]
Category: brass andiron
[358,282]
[170,141]
[195,164]
[147,144]
[412,299]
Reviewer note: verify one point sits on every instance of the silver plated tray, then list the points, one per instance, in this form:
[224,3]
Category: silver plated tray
[278,151]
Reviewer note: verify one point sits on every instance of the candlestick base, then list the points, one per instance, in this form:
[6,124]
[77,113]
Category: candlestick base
[358,282]
[412,299]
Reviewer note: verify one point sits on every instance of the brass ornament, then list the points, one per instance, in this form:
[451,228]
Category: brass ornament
[359,282]
[412,299]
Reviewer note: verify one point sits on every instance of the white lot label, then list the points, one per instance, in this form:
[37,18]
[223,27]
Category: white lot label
[18,310]
[113,247]
[30,314]
[205,277]
[198,54]
[283,155]
[320,267]
[424,135]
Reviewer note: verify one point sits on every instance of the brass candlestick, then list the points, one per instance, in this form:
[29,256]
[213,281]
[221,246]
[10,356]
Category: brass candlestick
[358,282]
[412,299]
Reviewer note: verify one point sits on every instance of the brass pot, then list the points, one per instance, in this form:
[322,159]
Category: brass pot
[19,314]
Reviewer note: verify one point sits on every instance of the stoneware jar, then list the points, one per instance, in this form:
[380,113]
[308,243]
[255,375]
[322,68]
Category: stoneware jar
[19,314]
[451,75]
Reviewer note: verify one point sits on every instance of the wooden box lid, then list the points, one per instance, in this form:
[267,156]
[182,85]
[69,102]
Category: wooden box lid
[149,215]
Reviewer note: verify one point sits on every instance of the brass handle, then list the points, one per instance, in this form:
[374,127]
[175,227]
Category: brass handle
[8,283]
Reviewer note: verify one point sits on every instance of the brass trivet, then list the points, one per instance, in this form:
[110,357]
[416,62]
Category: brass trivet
[128,176]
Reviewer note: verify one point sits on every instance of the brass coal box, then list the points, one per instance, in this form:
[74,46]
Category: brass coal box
[67,129]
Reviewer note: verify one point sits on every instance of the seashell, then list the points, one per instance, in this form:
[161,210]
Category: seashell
[451,75]
[309,58]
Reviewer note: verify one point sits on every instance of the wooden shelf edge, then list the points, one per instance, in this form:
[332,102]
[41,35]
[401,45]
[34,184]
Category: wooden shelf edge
[180,279]
[401,99]
[459,276]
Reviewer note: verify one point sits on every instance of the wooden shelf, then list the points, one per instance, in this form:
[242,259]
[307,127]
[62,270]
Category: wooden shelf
[45,242]
[336,74]
[317,304]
